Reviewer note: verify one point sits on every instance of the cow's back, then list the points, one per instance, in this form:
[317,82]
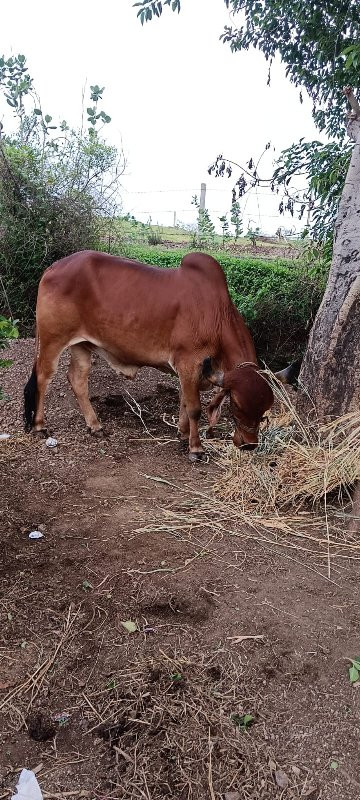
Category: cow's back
[90,284]
[139,312]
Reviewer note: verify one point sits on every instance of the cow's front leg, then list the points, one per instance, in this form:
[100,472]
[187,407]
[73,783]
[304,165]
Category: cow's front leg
[214,411]
[184,423]
[190,403]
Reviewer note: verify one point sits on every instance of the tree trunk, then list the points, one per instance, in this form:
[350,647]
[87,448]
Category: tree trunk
[330,372]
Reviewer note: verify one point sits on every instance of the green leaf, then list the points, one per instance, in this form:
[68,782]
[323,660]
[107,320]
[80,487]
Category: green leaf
[176,677]
[243,722]
[87,585]
[130,626]
[47,118]
[353,674]
[334,764]
[38,112]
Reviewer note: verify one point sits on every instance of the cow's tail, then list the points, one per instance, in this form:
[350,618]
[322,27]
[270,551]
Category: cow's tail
[30,392]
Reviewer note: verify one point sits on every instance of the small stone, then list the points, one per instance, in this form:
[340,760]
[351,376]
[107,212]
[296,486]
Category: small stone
[281,778]
[232,796]
[296,771]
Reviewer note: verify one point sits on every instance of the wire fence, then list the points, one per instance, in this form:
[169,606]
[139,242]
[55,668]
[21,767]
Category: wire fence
[259,209]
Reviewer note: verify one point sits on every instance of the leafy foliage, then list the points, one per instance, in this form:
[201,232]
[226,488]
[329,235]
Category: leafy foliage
[55,185]
[252,234]
[354,670]
[225,228]
[319,45]
[205,228]
[153,8]
[312,40]
[236,219]
[325,167]
[8,330]
[242,721]
[317,42]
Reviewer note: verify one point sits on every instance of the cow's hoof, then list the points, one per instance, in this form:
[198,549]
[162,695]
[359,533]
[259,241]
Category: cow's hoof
[194,457]
[41,434]
[210,434]
[97,432]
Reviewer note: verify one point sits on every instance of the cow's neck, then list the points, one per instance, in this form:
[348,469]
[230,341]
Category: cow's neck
[237,345]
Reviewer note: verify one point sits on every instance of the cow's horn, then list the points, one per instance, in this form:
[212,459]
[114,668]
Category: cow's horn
[290,374]
[214,376]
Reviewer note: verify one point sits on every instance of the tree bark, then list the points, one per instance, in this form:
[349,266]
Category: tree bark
[330,372]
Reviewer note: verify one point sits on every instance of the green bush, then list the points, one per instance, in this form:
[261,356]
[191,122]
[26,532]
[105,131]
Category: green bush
[278,299]
[8,330]
[56,184]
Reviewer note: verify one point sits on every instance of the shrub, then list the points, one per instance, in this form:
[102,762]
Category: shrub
[8,330]
[55,185]
[154,238]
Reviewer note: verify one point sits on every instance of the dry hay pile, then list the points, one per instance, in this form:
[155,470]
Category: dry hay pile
[293,492]
[293,465]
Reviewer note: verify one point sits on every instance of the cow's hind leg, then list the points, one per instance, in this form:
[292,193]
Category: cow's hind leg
[45,368]
[78,376]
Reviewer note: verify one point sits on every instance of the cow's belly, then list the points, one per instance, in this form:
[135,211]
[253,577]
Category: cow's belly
[126,368]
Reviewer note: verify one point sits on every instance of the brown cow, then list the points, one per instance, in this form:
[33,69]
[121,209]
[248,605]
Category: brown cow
[178,320]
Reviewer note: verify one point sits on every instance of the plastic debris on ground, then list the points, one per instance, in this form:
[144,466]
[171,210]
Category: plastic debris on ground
[27,787]
[50,442]
[62,718]
[4,436]
[36,535]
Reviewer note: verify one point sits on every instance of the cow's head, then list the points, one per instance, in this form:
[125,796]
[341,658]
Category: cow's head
[250,397]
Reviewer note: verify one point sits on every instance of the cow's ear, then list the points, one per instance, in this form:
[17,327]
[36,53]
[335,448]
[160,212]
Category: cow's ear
[214,376]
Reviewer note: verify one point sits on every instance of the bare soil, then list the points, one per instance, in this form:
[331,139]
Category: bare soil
[101,712]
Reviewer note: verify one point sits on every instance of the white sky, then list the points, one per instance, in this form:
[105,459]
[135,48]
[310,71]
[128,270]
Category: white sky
[176,94]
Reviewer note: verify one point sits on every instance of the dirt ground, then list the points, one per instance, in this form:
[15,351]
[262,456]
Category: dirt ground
[102,712]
